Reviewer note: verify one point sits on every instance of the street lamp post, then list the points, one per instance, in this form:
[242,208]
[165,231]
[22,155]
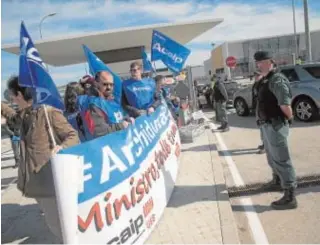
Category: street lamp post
[307,31]
[43,18]
[295,32]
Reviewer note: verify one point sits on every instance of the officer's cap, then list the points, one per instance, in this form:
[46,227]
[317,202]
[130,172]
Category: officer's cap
[262,55]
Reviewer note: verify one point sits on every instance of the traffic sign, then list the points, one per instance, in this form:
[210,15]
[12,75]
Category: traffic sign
[231,61]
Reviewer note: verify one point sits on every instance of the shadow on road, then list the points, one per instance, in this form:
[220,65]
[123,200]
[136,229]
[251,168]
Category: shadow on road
[264,208]
[6,158]
[24,224]
[5,182]
[183,195]
[201,148]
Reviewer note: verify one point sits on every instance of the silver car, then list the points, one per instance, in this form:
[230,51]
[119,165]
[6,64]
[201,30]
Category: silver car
[305,84]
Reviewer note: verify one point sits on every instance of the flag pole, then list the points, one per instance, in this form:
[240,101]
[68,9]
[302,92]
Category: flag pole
[49,126]
[155,68]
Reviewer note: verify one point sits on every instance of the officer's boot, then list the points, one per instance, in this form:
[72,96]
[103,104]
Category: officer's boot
[288,201]
[224,127]
[274,184]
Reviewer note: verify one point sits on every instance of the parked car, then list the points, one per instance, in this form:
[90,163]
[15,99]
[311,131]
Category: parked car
[305,84]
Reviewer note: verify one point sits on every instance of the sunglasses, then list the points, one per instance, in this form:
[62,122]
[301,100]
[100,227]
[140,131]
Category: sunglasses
[135,69]
[107,84]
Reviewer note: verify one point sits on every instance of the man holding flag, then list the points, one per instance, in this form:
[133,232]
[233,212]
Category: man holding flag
[44,129]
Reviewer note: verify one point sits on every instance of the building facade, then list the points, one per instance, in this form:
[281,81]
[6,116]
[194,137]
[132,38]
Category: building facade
[282,48]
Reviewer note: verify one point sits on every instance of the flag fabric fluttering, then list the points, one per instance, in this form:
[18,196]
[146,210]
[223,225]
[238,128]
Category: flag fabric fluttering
[171,53]
[33,73]
[96,65]
[147,66]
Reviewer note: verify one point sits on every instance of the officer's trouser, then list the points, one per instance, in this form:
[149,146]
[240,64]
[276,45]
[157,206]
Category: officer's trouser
[277,151]
[221,112]
[261,134]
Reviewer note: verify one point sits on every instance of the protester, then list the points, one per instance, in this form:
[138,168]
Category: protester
[72,112]
[173,102]
[275,115]
[221,98]
[138,93]
[12,127]
[35,178]
[102,114]
[86,82]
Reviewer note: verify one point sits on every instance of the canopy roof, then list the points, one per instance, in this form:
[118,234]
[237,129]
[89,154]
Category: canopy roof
[114,45]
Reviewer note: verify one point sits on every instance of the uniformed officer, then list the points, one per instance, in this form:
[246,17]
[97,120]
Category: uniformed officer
[274,115]
[221,97]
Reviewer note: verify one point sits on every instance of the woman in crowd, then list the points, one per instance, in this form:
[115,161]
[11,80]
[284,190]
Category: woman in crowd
[173,102]
[72,112]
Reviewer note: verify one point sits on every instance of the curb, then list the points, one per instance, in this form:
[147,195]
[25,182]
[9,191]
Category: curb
[229,231]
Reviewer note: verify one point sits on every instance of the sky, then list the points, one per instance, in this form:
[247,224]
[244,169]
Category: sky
[243,19]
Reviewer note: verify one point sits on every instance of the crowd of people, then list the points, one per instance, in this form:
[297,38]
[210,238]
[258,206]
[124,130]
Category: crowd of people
[92,109]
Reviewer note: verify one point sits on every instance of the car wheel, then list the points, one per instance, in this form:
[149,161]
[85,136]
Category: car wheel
[241,107]
[305,110]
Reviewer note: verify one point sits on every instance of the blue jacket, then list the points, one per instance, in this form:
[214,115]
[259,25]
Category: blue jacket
[139,93]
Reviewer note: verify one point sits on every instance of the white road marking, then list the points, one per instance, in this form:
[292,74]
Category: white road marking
[256,227]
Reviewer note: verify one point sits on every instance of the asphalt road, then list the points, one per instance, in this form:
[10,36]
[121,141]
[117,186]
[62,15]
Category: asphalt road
[293,226]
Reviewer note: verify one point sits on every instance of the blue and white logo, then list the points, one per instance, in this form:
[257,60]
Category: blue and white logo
[33,73]
[171,53]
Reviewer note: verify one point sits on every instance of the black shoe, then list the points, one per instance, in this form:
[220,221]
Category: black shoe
[288,201]
[261,149]
[274,184]
[224,127]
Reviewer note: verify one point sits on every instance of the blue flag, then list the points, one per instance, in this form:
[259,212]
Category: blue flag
[33,73]
[147,66]
[171,53]
[96,65]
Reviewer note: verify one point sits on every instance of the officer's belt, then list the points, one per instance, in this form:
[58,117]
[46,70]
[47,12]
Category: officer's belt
[269,121]
[261,122]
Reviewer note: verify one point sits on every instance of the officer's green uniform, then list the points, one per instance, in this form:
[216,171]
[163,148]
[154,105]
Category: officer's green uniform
[274,91]
[220,98]
[275,130]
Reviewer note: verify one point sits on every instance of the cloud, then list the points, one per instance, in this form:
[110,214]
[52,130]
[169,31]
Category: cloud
[245,21]
[241,21]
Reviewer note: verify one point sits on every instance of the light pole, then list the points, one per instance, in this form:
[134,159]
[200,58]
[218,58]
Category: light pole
[307,31]
[295,31]
[43,18]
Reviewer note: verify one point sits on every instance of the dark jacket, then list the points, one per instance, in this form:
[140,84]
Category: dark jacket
[97,122]
[220,92]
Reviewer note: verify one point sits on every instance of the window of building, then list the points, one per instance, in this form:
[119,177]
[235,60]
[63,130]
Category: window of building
[313,71]
[290,74]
